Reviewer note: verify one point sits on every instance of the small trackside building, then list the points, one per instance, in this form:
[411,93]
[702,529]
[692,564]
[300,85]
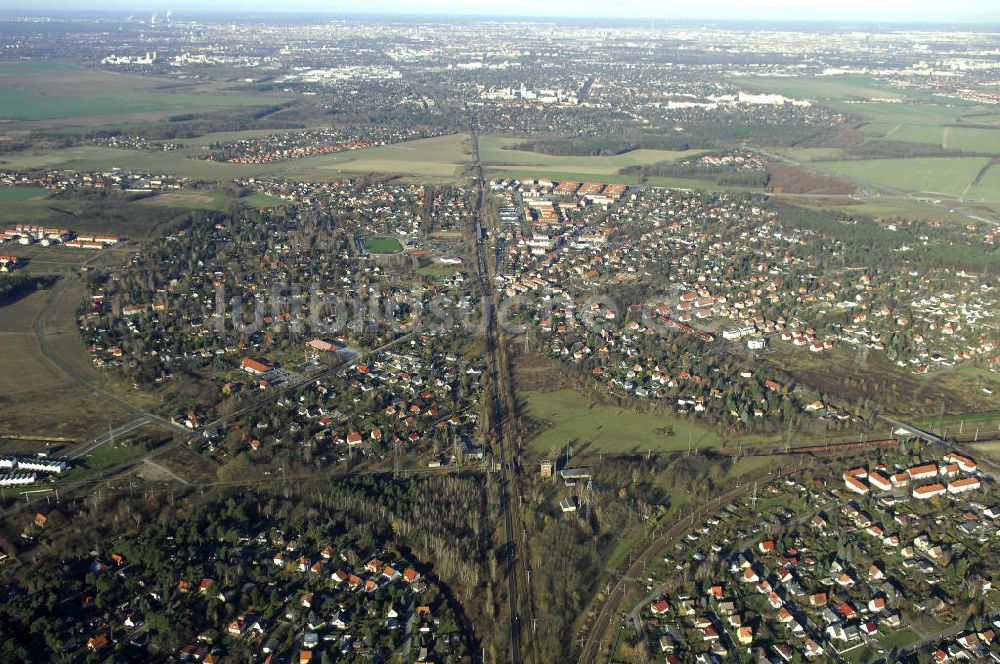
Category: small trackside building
[929,491]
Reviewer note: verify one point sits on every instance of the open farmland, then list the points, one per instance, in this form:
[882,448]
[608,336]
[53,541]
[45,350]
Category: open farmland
[28,105]
[36,397]
[966,139]
[884,116]
[15,194]
[912,119]
[50,91]
[441,158]
[943,176]
[988,187]
[499,156]
[825,88]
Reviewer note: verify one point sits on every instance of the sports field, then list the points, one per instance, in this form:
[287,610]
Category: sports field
[936,176]
[382,244]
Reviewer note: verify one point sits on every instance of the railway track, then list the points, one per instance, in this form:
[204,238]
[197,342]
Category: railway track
[499,419]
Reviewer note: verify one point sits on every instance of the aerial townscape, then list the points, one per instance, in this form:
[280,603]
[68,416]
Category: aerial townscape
[551,332]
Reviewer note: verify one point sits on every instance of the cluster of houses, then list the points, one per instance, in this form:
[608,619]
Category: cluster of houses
[739,161]
[548,202]
[404,211]
[327,607]
[393,401]
[728,267]
[325,264]
[140,143]
[563,261]
[935,321]
[800,593]
[23,470]
[311,143]
[9,263]
[926,480]
[27,234]
[114,179]
[449,208]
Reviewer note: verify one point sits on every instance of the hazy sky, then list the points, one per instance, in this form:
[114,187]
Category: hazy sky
[835,10]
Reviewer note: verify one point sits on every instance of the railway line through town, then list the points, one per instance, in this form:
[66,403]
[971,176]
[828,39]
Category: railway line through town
[518,592]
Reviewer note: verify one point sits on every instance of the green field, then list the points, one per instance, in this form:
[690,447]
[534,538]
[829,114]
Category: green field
[991,449]
[986,377]
[35,67]
[966,139]
[891,208]
[435,270]
[592,428]
[823,87]
[989,185]
[884,116]
[433,159]
[189,200]
[944,176]
[17,194]
[28,105]
[382,244]
[498,156]
[258,200]
[916,117]
[749,464]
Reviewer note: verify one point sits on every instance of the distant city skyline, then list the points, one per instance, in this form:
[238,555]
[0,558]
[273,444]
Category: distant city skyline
[986,11]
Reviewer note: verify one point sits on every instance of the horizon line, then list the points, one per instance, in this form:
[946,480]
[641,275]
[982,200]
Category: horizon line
[36,10]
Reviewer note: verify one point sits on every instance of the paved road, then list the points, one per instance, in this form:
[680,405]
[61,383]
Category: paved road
[408,638]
